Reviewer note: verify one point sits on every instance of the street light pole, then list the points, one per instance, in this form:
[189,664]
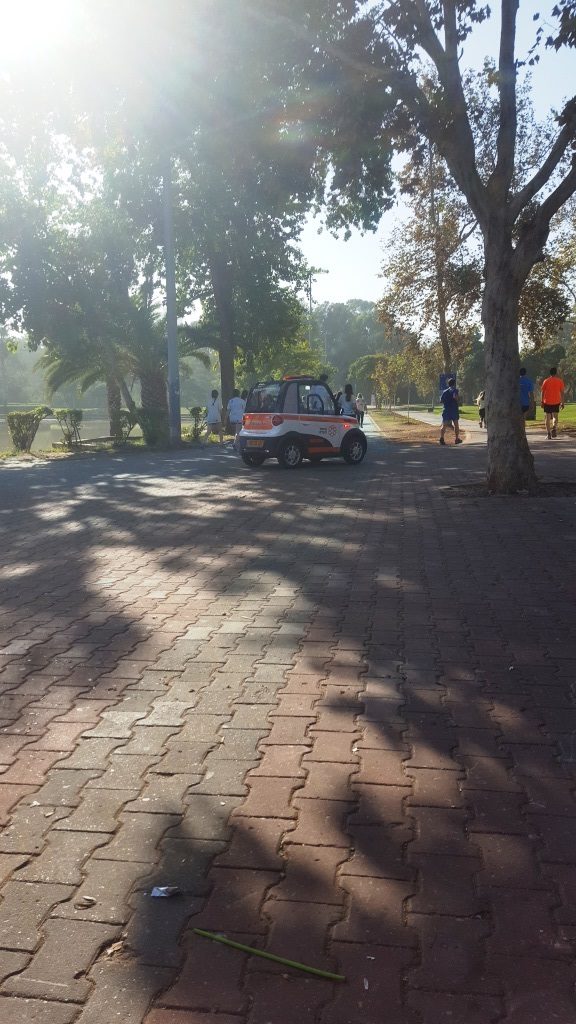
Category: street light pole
[310,278]
[171,320]
[309,289]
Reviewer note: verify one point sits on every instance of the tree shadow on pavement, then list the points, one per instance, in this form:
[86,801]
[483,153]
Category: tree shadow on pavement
[438,655]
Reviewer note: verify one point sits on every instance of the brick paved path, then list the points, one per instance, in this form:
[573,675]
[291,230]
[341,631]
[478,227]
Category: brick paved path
[336,707]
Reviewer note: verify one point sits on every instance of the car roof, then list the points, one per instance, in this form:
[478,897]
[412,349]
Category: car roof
[286,380]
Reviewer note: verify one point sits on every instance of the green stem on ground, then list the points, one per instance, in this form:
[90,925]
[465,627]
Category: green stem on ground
[269,956]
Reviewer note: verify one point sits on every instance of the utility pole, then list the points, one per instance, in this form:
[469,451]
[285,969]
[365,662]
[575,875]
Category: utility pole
[171,320]
[309,290]
[310,277]
[3,357]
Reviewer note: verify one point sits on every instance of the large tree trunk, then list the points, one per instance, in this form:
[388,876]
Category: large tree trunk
[153,390]
[221,277]
[442,325]
[439,270]
[510,462]
[114,399]
[227,382]
[153,417]
[250,371]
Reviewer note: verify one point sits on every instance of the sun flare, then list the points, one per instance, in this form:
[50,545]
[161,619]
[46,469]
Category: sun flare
[31,28]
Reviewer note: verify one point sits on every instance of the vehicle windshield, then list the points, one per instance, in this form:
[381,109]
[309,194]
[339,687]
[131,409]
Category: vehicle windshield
[263,398]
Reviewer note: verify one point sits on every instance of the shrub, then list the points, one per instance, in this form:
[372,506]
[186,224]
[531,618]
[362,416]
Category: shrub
[69,420]
[23,426]
[154,423]
[197,414]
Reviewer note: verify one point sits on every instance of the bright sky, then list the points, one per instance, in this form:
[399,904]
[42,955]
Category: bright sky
[353,266]
[31,27]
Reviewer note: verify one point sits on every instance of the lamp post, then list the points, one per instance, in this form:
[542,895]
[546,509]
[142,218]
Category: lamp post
[171,319]
[309,291]
[310,277]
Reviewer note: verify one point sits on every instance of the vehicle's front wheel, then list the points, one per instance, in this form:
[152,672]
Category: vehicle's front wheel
[290,454]
[252,459]
[353,449]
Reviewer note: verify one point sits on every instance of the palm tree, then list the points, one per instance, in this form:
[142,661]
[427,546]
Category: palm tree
[141,354]
[86,366]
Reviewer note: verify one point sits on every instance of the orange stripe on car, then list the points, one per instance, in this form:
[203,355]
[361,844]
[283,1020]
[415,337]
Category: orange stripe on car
[257,420]
[264,420]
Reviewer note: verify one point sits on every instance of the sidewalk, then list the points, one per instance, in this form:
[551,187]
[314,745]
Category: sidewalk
[334,707]
[475,433]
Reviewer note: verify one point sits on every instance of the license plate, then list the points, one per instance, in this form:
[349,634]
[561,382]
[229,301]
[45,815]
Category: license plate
[254,444]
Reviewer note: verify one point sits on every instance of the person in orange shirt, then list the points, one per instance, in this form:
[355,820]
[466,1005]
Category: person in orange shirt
[552,400]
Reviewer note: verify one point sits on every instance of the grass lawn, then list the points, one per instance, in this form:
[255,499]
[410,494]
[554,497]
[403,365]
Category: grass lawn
[400,429]
[567,416]
[385,418]
[133,444]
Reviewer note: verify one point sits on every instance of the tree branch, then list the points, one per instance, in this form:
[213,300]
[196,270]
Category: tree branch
[466,231]
[534,235]
[452,134]
[450,30]
[449,129]
[463,235]
[428,39]
[559,196]
[501,179]
[563,140]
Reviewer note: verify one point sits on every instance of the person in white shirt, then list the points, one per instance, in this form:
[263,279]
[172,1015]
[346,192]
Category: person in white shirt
[320,388]
[347,402]
[318,396]
[360,407]
[235,410]
[214,417]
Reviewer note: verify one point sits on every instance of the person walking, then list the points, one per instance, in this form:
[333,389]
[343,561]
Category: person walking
[360,408]
[235,410]
[481,403]
[214,417]
[347,402]
[450,399]
[552,400]
[526,392]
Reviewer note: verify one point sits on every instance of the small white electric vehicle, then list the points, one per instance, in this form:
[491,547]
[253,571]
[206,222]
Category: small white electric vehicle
[297,418]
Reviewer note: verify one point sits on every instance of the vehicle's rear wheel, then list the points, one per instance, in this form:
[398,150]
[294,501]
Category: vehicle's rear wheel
[290,453]
[353,449]
[253,459]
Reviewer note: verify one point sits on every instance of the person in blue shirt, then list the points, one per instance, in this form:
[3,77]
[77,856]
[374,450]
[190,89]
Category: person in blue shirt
[451,411]
[526,392]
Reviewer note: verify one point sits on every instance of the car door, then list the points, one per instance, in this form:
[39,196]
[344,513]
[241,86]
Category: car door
[318,419]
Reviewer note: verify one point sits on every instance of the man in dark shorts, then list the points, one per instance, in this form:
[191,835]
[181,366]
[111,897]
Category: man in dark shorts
[526,392]
[552,400]
[451,411]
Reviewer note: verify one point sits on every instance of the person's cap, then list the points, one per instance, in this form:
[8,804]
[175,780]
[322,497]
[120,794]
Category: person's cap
[451,381]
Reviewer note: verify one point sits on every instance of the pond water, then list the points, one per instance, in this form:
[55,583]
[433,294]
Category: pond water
[49,431]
